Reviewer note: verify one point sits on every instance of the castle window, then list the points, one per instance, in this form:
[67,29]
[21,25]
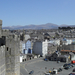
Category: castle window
[7,48]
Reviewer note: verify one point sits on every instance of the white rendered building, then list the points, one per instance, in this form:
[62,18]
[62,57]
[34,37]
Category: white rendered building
[40,47]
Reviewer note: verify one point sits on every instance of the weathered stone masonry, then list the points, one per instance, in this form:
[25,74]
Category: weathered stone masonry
[12,55]
[2,52]
[9,53]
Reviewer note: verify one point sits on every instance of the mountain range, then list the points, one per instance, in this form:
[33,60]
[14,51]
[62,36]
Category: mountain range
[42,26]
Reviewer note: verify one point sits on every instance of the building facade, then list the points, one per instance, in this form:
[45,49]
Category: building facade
[22,46]
[28,47]
[40,47]
[66,47]
[51,48]
[56,42]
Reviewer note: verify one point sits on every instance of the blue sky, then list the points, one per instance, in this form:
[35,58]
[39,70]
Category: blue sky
[26,12]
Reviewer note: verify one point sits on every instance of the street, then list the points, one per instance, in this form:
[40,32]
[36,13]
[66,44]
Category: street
[40,67]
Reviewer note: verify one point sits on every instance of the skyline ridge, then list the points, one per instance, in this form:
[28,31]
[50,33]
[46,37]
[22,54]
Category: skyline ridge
[39,24]
[42,26]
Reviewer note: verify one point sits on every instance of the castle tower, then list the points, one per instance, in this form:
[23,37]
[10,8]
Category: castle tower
[12,55]
[0,28]
[9,54]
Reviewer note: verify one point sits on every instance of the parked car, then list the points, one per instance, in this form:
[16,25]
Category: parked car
[46,59]
[68,64]
[64,65]
[72,65]
[72,74]
[73,61]
[58,61]
[59,70]
[74,70]
[68,67]
[47,73]
[54,71]
[31,72]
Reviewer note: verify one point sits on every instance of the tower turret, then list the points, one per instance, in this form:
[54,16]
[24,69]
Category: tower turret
[0,28]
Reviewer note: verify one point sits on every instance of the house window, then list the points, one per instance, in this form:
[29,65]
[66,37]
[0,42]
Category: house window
[7,48]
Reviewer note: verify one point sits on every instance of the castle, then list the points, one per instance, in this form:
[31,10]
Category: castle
[9,53]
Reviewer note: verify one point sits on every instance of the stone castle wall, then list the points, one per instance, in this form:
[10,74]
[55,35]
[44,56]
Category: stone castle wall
[9,53]
[12,55]
[2,60]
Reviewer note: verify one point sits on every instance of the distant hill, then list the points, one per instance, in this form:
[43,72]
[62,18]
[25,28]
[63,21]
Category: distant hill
[43,26]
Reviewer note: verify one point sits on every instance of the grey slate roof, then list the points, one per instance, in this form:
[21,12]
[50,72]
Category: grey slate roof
[64,56]
[71,53]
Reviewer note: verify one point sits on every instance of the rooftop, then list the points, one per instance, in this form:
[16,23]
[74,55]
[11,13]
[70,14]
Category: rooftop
[67,50]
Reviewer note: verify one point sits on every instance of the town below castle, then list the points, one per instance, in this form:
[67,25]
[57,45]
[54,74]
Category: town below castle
[37,52]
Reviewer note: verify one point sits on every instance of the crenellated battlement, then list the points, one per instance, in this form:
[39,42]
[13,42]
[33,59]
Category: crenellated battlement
[2,48]
[14,37]
[5,30]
